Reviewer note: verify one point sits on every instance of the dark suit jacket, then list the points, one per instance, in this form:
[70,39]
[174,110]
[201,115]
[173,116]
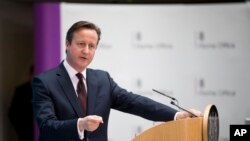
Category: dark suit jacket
[56,106]
[20,112]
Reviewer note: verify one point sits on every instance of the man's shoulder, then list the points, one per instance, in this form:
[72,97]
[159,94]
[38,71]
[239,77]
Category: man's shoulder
[48,73]
[91,70]
[97,73]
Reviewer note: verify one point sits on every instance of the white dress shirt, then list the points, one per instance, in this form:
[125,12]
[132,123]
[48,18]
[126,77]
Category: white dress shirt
[72,74]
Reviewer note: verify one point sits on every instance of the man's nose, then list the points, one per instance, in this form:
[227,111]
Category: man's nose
[85,49]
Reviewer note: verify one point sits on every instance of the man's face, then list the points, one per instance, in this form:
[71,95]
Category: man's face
[81,50]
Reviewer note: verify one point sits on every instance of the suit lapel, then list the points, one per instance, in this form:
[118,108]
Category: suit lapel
[68,88]
[92,91]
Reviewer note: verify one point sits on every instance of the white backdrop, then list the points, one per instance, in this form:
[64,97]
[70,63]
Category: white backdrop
[197,53]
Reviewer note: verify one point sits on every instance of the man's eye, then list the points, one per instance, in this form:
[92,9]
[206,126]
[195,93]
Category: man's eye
[80,44]
[92,46]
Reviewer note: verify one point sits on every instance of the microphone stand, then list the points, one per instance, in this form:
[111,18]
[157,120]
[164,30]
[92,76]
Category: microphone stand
[174,102]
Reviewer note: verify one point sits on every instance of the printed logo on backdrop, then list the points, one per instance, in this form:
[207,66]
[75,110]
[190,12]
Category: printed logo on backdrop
[140,89]
[202,88]
[104,45]
[138,41]
[201,40]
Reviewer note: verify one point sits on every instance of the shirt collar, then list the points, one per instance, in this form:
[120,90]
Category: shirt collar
[71,71]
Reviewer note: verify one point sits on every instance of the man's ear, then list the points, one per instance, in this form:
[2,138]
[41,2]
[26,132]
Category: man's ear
[67,45]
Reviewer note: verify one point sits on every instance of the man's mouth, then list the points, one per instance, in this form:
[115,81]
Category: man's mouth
[83,58]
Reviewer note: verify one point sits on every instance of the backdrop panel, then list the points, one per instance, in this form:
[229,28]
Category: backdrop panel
[196,53]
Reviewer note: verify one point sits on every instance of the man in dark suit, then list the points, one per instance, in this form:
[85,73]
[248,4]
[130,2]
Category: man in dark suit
[20,112]
[56,96]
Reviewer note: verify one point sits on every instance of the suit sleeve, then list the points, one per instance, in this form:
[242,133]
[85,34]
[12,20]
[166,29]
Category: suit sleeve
[43,106]
[139,105]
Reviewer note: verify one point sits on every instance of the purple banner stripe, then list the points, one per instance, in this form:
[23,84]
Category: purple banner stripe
[47,35]
[47,40]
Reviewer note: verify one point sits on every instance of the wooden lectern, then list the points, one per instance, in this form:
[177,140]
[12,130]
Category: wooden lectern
[204,128]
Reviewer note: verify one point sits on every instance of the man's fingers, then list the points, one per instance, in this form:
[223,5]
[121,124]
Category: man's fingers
[96,119]
[196,112]
[91,122]
[184,114]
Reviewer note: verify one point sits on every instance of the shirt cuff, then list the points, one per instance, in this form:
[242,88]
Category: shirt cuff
[81,134]
[175,116]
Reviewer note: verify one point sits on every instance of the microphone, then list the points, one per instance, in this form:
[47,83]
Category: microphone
[165,95]
[174,102]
